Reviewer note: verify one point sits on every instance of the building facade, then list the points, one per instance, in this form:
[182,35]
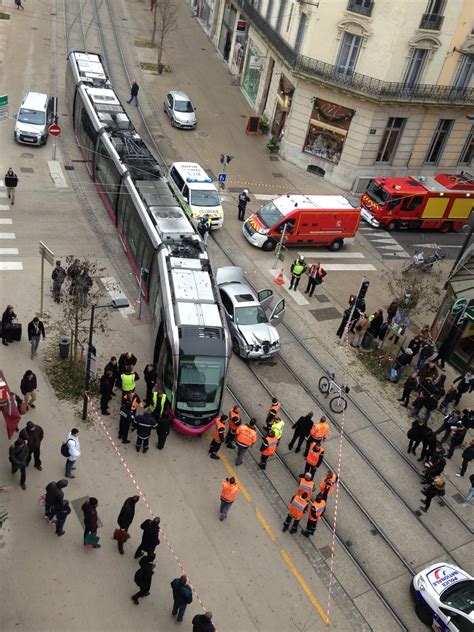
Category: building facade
[357,87]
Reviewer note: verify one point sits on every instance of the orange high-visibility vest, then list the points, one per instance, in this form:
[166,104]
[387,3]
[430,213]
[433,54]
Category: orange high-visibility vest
[320,430]
[274,408]
[233,425]
[229,491]
[218,426]
[328,484]
[297,507]
[271,447]
[246,436]
[314,454]
[306,486]
[318,509]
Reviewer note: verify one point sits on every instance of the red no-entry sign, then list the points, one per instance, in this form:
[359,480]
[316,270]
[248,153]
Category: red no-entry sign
[54,130]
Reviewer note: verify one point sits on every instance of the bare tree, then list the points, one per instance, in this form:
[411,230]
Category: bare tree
[164,22]
[424,288]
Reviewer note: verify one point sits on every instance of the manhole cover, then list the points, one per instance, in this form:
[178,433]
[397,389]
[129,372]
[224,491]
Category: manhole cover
[274,158]
[277,175]
[203,134]
[321,298]
[27,155]
[26,169]
[327,313]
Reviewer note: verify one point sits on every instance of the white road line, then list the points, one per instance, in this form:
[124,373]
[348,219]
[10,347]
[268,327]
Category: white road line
[1,183]
[4,207]
[7,235]
[11,265]
[9,251]
[6,220]
[349,267]
[264,196]
[395,255]
[113,290]
[3,194]
[388,240]
[296,296]
[393,247]
[57,174]
[432,246]
[310,254]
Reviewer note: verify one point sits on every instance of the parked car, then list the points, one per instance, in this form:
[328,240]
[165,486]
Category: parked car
[254,336]
[34,117]
[178,106]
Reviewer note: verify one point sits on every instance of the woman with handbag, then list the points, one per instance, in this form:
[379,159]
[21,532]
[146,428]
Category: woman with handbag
[125,519]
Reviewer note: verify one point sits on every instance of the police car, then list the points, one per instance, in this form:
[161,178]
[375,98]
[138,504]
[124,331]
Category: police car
[444,598]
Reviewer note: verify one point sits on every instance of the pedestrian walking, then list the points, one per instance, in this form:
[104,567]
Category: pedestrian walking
[203,623]
[408,387]
[435,488]
[35,331]
[229,492]
[272,413]
[58,275]
[112,365]
[18,456]
[62,512]
[163,428]
[316,274]
[91,518]
[33,434]
[449,422]
[182,597]
[234,422]
[124,520]
[128,409]
[467,457]
[301,428]
[150,537]
[29,388]
[470,494]
[435,465]
[245,438]
[466,384]
[458,434]
[143,577]
[8,317]
[71,449]
[416,434]
[218,436]
[19,5]
[11,179]
[297,508]
[314,458]
[268,447]
[54,497]
[327,485]
[106,388]
[150,377]
[316,512]
[242,205]
[204,227]
[144,424]
[134,89]
[298,268]
[444,352]
[307,485]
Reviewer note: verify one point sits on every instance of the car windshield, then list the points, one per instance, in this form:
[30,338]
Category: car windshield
[251,315]
[269,215]
[377,193]
[460,596]
[205,198]
[183,106]
[34,117]
[200,383]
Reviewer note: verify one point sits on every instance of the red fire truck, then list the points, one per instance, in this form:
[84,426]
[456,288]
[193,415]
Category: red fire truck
[443,202]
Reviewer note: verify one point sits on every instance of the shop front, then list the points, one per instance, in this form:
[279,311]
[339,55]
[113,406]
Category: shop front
[253,71]
[327,130]
[205,13]
[284,98]
[229,20]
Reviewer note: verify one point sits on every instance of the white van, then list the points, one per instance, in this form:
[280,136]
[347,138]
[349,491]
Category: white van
[33,119]
[196,192]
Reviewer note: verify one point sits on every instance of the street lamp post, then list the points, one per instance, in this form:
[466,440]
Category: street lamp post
[119,303]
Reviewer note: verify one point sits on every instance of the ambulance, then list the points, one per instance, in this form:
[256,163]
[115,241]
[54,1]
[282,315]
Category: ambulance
[196,192]
[310,220]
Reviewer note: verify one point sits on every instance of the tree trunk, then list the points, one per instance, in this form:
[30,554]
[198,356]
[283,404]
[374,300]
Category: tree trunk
[153,34]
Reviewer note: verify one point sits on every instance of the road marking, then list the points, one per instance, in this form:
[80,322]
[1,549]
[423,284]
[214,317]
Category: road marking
[265,524]
[331,255]
[263,196]
[305,587]
[113,290]
[348,267]
[11,265]
[297,296]
[6,220]
[231,471]
[57,175]
[4,207]
[393,247]
[3,194]
[7,235]
[432,246]
[1,183]
[9,251]
[388,240]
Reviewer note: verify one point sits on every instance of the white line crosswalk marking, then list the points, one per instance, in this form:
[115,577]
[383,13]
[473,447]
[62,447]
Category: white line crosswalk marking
[6,220]
[11,265]
[9,251]
[314,254]
[7,235]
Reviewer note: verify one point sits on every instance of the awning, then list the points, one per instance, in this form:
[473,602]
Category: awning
[331,128]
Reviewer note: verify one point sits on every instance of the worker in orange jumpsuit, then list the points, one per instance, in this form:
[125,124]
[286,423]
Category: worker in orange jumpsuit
[218,436]
[268,447]
[298,506]
[316,512]
[229,492]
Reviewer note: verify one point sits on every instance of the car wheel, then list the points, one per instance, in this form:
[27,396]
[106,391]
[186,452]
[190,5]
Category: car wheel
[269,245]
[235,346]
[391,225]
[423,613]
[445,228]
[336,245]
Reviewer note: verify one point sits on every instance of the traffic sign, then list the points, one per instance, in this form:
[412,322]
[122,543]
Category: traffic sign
[54,130]
[46,253]
[222,177]
[3,107]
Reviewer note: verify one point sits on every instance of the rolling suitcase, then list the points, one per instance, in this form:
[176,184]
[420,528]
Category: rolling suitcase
[14,332]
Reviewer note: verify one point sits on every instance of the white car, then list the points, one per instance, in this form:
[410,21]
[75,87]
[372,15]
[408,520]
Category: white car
[444,598]
[179,108]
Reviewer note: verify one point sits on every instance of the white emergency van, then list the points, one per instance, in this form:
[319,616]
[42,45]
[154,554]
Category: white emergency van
[196,192]
[33,119]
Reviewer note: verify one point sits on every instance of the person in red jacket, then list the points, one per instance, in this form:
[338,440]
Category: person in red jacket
[89,509]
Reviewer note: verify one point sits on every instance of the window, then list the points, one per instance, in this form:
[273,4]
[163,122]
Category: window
[177,179]
[229,308]
[390,139]
[200,383]
[415,66]
[393,202]
[464,72]
[289,19]
[281,13]
[438,141]
[269,10]
[467,152]
[364,7]
[348,53]
[301,32]
[433,16]
[106,173]
[411,203]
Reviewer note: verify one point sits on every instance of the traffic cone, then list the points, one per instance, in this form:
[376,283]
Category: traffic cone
[279,279]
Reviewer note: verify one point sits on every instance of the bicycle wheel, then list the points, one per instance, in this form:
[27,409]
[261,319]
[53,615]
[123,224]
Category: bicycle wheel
[338,404]
[324,385]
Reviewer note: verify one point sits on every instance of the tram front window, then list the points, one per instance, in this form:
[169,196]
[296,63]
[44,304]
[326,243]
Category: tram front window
[200,383]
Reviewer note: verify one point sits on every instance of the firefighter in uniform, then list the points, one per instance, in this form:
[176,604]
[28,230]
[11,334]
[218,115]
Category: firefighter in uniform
[272,413]
[234,423]
[316,512]
[128,380]
[306,485]
[144,424]
[158,402]
[314,457]
[128,410]
[246,437]
[268,447]
[230,489]
[298,268]
[328,484]
[298,505]
[316,275]
[320,430]
[218,436]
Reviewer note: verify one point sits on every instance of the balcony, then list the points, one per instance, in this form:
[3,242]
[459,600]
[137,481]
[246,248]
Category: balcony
[364,7]
[431,21]
[362,85]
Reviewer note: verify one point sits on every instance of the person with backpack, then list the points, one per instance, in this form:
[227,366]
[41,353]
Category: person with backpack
[11,179]
[143,577]
[182,597]
[71,449]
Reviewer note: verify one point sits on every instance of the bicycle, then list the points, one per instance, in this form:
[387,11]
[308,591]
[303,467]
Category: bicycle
[328,385]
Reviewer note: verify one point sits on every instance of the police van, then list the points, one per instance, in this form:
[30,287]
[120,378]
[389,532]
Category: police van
[444,598]
[196,193]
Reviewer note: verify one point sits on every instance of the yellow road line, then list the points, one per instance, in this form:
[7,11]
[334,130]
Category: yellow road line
[231,471]
[265,524]
[305,587]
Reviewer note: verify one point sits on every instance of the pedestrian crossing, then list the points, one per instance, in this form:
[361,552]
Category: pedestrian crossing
[386,246]
[6,264]
[333,266]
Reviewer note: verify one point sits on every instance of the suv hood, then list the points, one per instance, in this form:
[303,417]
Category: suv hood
[28,128]
[259,334]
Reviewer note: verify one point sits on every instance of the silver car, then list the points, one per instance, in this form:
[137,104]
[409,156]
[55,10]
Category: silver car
[179,108]
[253,335]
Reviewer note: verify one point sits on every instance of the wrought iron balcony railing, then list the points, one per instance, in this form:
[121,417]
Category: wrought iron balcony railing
[358,83]
[363,7]
[431,21]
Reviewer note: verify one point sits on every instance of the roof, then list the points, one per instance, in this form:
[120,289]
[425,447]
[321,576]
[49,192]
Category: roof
[239,289]
[90,67]
[462,278]
[179,96]
[441,183]
[34,100]
[288,203]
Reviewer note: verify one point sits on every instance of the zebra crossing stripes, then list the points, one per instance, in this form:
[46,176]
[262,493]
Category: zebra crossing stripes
[7,265]
[347,266]
[386,246]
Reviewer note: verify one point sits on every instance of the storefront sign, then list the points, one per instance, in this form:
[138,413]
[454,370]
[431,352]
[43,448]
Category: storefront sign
[241,25]
[460,305]
[256,62]
[327,130]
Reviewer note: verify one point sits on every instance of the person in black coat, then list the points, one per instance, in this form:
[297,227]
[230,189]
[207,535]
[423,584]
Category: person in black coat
[144,424]
[62,512]
[28,386]
[150,537]
[301,429]
[126,359]
[429,445]
[203,623]
[150,377]
[112,365]
[143,577]
[466,383]
[449,422]
[458,435]
[54,497]
[18,455]
[435,488]
[416,434]
[91,518]
[182,597]
[33,435]
[467,457]
[444,351]
[435,465]
[163,427]
[415,345]
[7,320]
[125,518]
[11,179]
[106,388]
[409,386]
